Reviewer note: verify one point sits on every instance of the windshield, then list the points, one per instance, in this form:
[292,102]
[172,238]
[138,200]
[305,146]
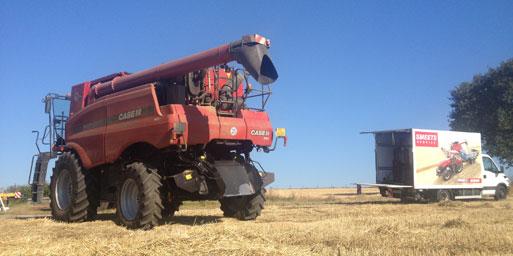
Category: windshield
[60,112]
[489,165]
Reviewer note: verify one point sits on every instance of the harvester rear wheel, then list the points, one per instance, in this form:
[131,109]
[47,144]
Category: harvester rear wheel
[139,203]
[73,192]
[243,207]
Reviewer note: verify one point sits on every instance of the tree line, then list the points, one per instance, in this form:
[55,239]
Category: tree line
[485,105]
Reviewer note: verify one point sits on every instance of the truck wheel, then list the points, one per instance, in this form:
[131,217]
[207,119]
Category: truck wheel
[383,191]
[243,207]
[501,192]
[72,192]
[138,203]
[443,195]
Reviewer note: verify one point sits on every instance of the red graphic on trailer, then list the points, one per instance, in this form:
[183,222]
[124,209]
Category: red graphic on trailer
[426,139]
[469,180]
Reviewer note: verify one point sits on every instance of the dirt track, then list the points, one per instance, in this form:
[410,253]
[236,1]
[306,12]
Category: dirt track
[295,222]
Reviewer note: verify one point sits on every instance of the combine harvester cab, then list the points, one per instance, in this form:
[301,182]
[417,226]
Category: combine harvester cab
[432,165]
[184,130]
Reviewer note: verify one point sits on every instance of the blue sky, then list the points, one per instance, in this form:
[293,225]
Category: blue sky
[344,66]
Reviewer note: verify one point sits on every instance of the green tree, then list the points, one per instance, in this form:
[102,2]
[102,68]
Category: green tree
[26,190]
[485,105]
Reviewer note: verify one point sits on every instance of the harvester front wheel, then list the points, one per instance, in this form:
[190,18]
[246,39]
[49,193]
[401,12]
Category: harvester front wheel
[72,196]
[139,203]
[243,207]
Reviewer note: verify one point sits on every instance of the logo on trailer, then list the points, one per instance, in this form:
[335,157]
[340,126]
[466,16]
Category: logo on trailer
[426,139]
[233,131]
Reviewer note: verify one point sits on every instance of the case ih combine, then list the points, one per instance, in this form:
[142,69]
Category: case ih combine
[147,141]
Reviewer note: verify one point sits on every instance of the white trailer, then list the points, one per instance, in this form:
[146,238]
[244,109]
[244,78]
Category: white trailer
[419,164]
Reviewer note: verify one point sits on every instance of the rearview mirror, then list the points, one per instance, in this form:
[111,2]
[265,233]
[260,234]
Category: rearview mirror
[502,169]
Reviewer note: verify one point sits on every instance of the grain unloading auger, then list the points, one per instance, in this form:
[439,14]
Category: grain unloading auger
[183,130]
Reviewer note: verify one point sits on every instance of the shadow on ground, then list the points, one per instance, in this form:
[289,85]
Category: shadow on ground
[352,194]
[367,202]
[180,219]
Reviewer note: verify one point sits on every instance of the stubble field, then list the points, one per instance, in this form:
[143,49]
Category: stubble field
[295,222]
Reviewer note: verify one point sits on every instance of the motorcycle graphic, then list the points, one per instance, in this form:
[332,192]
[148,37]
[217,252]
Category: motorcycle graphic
[453,164]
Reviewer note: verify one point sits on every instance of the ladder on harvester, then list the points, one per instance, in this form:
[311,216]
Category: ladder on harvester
[38,179]
[53,136]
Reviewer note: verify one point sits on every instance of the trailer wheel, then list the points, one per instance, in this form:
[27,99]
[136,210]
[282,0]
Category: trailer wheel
[72,190]
[443,195]
[243,207]
[501,192]
[138,203]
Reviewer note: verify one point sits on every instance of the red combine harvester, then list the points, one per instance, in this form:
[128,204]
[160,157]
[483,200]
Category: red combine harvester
[145,142]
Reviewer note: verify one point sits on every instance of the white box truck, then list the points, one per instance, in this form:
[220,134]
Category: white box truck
[418,164]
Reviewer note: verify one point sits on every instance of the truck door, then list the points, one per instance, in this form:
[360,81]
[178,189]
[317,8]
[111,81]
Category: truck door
[490,176]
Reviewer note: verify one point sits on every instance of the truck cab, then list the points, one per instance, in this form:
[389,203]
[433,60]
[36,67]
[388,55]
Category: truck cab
[495,181]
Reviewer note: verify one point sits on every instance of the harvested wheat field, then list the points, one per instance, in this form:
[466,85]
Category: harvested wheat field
[295,222]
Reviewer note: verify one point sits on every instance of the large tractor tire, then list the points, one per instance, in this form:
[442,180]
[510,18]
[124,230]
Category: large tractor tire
[139,203]
[243,207]
[73,191]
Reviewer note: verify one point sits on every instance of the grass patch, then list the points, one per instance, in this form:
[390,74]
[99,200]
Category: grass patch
[294,222]
[456,223]
[450,204]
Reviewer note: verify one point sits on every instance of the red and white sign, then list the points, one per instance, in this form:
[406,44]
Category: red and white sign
[469,180]
[426,139]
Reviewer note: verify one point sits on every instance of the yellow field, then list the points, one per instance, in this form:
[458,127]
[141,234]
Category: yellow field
[295,222]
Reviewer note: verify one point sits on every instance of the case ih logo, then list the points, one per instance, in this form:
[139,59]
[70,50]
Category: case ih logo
[130,114]
[260,133]
[426,139]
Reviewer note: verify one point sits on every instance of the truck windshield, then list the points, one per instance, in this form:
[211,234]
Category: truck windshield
[489,165]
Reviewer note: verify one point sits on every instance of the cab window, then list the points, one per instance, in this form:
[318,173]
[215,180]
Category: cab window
[489,165]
